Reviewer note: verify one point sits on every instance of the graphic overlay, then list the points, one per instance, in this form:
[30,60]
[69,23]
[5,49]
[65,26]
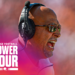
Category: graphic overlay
[8,56]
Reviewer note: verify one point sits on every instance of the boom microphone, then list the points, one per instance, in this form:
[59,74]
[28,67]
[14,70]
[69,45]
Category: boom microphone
[27,3]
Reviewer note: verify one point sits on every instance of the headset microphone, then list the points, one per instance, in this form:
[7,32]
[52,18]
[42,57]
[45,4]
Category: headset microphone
[27,3]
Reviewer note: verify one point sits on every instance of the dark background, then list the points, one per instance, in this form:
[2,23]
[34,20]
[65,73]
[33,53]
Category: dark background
[64,53]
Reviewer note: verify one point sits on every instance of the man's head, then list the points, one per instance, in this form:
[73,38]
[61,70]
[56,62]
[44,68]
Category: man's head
[43,41]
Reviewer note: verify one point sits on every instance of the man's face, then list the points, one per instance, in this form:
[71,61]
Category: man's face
[44,40]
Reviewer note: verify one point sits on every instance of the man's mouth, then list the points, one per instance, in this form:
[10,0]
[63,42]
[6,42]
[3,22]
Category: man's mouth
[51,44]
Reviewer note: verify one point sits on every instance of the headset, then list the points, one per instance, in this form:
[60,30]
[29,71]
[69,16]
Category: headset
[26,26]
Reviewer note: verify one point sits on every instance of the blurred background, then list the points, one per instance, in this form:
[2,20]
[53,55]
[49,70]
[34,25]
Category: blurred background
[64,52]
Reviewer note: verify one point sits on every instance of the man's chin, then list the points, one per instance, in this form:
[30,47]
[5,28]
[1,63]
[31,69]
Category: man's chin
[48,53]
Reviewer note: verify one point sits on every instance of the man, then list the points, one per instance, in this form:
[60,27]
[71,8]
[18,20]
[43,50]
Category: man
[40,47]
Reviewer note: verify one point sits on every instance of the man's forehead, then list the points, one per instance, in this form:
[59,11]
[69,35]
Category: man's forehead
[55,21]
[50,17]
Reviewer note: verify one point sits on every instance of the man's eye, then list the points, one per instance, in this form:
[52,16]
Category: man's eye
[59,30]
[55,29]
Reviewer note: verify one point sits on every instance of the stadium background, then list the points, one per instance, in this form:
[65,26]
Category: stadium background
[64,53]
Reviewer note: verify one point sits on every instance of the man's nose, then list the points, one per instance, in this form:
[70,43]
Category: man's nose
[57,33]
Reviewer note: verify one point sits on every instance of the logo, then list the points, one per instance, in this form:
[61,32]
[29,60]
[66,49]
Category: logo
[8,56]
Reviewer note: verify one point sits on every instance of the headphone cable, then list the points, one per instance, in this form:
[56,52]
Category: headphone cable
[25,40]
